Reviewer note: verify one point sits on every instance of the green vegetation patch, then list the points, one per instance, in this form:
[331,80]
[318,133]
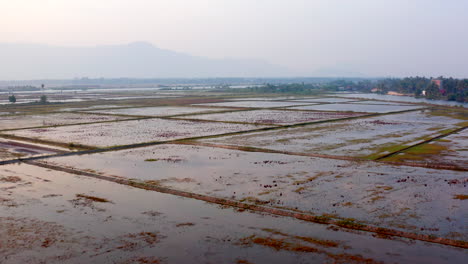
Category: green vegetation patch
[384,150]
[450,113]
[419,152]
[350,223]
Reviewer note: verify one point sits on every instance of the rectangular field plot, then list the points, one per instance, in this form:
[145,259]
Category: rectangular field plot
[25,121]
[401,99]
[158,111]
[254,104]
[451,150]
[10,149]
[130,132]
[357,108]
[363,137]
[134,97]
[280,117]
[371,102]
[94,107]
[270,98]
[325,100]
[404,198]
[7,113]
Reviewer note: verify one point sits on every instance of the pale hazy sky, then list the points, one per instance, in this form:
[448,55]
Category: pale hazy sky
[375,37]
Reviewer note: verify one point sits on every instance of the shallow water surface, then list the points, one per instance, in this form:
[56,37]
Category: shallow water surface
[398,197]
[78,219]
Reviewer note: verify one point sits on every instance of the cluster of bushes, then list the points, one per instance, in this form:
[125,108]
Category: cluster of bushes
[42,99]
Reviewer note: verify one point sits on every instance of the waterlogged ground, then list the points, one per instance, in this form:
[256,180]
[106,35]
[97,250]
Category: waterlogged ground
[11,149]
[67,96]
[131,132]
[370,108]
[372,102]
[322,168]
[275,98]
[55,217]
[451,150]
[395,98]
[25,121]
[255,104]
[158,111]
[91,107]
[422,202]
[7,113]
[364,137]
[326,100]
[280,117]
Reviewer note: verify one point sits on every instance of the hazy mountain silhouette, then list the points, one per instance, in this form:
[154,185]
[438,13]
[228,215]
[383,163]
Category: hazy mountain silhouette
[338,71]
[136,60]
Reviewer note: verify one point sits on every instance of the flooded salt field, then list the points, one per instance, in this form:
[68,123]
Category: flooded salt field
[275,98]
[13,149]
[233,132]
[78,219]
[325,100]
[396,98]
[25,121]
[180,177]
[372,102]
[366,192]
[362,137]
[256,104]
[117,133]
[280,117]
[92,107]
[357,108]
[158,111]
[452,150]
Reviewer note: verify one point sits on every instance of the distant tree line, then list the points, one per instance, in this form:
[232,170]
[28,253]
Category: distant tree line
[294,88]
[450,89]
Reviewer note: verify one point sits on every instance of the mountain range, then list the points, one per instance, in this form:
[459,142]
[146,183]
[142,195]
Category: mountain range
[133,60]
